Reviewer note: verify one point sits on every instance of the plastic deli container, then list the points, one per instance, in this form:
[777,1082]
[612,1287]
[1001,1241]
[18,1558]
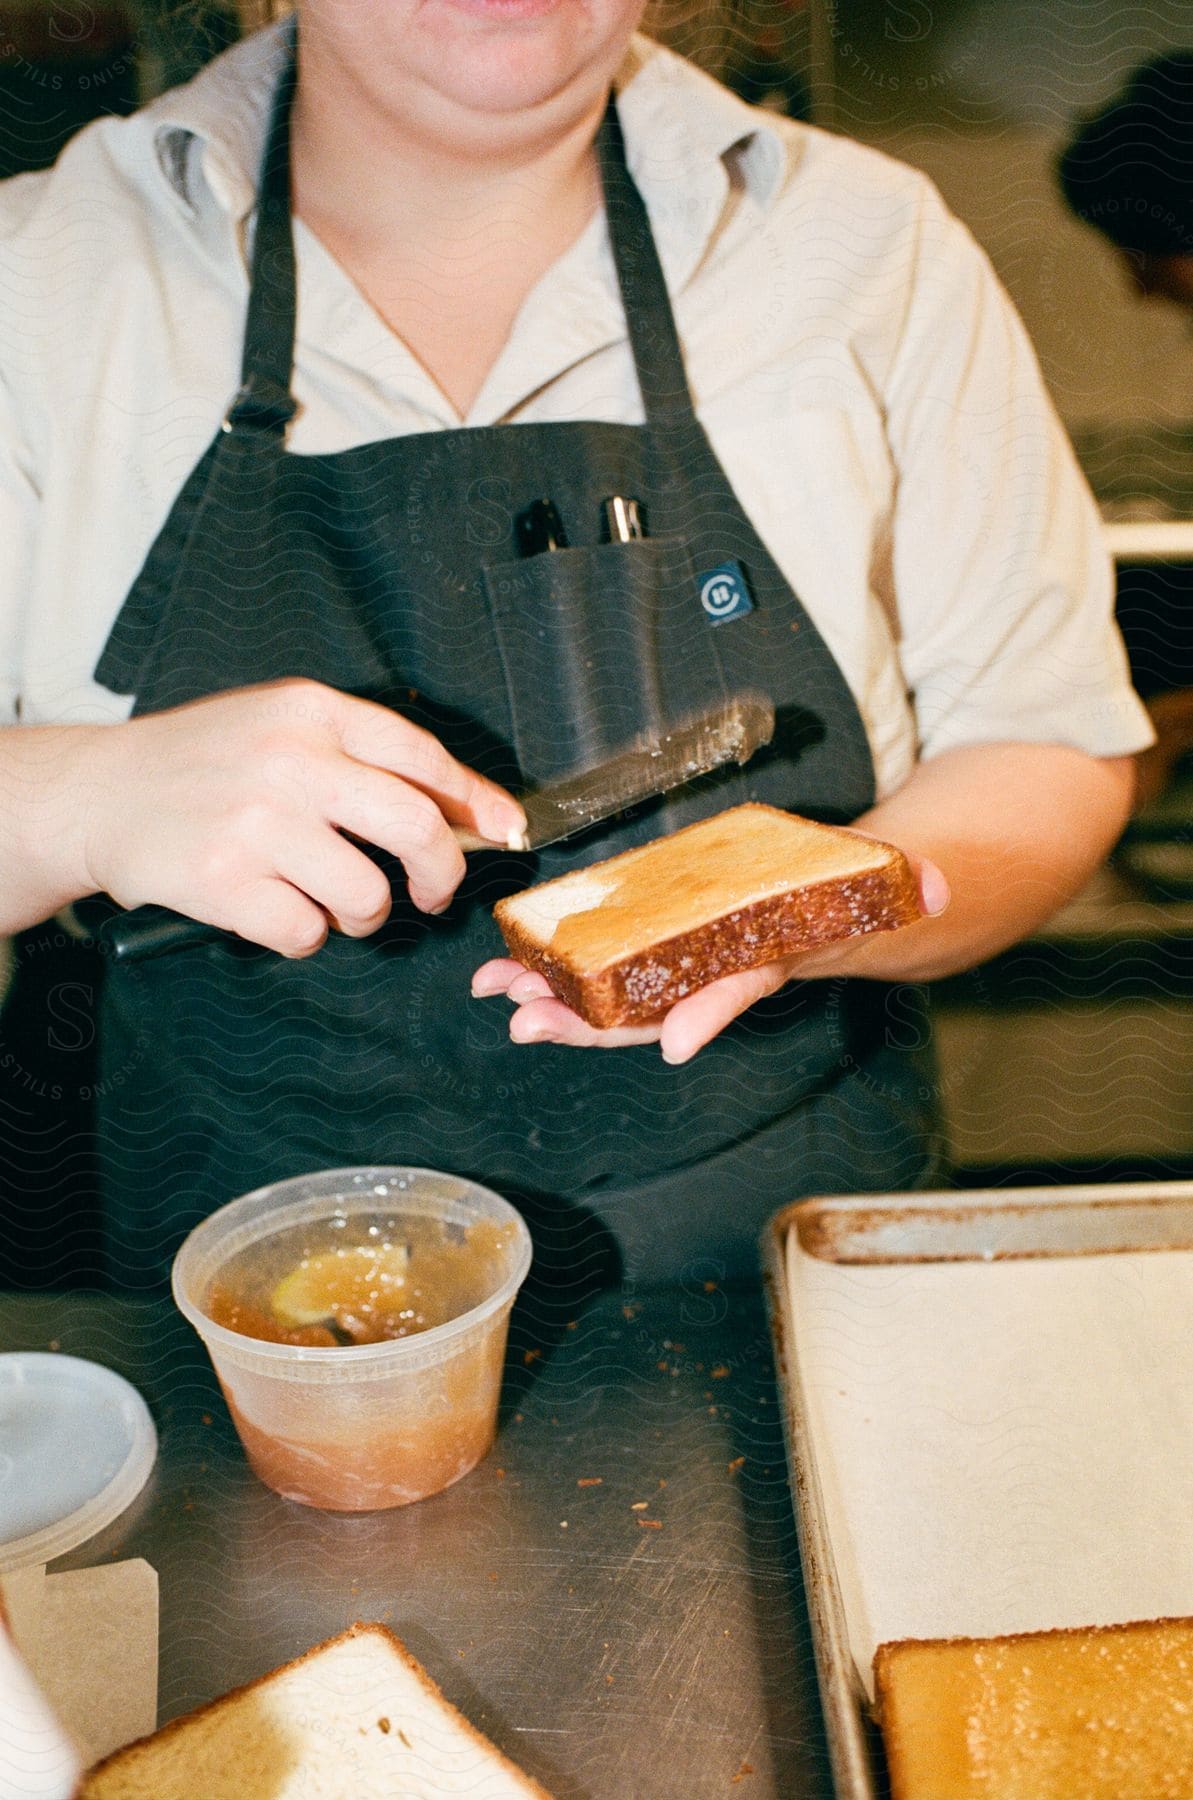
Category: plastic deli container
[77,1445]
[357,1427]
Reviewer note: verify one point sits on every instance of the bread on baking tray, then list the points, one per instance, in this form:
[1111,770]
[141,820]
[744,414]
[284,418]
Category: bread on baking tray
[624,939]
[355,1718]
[1099,1713]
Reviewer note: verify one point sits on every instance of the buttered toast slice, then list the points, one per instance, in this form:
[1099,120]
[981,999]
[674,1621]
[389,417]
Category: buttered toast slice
[356,1718]
[1101,1713]
[624,939]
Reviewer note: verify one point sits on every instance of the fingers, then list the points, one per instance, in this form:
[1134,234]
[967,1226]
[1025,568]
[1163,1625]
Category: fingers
[542,1019]
[349,889]
[501,977]
[272,913]
[694,1022]
[382,810]
[933,886]
[383,739]
[549,1021]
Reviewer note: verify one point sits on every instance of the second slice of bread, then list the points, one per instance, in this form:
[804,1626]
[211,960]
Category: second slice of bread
[356,1718]
[623,940]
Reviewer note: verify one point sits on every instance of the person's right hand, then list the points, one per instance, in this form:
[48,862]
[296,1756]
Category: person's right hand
[234,810]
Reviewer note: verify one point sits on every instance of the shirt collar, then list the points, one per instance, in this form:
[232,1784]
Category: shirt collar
[682,132]
[209,135]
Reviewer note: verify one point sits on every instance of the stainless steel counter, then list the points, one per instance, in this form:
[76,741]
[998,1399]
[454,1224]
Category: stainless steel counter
[617,1654]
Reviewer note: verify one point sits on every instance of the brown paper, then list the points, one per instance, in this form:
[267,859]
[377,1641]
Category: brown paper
[21,1595]
[1001,1447]
[89,1638]
[38,1761]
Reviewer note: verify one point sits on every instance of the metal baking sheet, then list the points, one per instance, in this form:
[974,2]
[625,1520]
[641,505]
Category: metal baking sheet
[1128,1244]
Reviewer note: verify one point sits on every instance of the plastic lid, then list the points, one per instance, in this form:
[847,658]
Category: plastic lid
[76,1447]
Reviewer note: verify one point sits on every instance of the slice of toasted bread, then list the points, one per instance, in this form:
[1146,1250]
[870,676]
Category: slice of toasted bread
[1099,1713]
[355,1718]
[623,940]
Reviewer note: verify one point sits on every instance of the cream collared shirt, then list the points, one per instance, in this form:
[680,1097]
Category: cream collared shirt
[862,376]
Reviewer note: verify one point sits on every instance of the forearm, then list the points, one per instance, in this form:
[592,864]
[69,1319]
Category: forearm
[1016,828]
[45,791]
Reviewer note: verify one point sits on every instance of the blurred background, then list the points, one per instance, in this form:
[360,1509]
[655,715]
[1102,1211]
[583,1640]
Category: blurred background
[1069,1058]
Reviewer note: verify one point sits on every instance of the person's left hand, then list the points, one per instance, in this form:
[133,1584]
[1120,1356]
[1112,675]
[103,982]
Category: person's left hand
[539,1018]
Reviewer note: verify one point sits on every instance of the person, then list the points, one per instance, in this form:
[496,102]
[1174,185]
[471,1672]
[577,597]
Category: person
[287,357]
[1127,171]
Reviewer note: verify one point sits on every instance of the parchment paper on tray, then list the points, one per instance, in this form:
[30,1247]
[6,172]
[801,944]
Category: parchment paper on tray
[1002,1446]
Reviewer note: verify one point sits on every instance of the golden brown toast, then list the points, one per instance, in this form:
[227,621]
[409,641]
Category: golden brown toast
[623,940]
[1100,1713]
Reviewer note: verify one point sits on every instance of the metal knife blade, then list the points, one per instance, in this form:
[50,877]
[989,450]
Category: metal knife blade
[731,732]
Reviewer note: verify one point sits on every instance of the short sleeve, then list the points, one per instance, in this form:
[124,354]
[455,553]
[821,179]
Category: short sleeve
[18,524]
[1003,584]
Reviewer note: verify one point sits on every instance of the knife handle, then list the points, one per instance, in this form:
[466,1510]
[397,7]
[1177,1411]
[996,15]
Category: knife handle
[147,931]
[154,931]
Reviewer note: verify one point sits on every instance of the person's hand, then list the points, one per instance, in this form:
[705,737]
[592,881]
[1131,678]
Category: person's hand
[539,1018]
[238,810]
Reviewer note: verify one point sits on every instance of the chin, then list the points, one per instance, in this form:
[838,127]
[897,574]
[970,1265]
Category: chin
[465,65]
[497,59]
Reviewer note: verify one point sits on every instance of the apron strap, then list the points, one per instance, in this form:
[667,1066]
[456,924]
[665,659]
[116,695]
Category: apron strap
[264,400]
[650,322]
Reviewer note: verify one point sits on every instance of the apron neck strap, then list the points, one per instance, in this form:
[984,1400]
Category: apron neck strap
[650,322]
[264,399]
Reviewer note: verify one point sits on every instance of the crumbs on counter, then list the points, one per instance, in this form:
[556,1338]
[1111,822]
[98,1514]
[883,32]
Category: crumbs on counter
[589,1480]
[530,1356]
[720,1372]
[653,1524]
[639,1505]
[737,1463]
[746,1769]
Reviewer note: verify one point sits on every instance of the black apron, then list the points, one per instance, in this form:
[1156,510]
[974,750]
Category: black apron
[391,571]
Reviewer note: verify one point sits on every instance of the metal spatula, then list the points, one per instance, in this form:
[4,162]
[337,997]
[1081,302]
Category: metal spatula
[731,732]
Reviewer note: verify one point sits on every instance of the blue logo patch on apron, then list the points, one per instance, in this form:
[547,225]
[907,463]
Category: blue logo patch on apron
[723,592]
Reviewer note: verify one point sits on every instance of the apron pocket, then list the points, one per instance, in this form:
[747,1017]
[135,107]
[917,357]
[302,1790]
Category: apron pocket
[600,645]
